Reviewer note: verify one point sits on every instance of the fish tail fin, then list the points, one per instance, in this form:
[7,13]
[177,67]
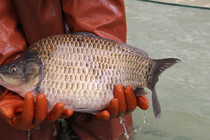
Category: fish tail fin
[158,67]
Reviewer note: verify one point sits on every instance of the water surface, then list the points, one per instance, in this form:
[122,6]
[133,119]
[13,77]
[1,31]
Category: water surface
[183,90]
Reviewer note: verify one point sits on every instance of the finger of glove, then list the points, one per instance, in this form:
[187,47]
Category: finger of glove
[103,115]
[130,99]
[9,107]
[41,109]
[10,97]
[24,121]
[66,113]
[142,102]
[56,112]
[17,105]
[7,111]
[113,108]
[119,94]
[13,102]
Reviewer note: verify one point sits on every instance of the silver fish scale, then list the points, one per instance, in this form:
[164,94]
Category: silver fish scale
[82,71]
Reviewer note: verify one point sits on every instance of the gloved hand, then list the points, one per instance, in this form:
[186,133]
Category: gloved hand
[81,16]
[124,102]
[24,114]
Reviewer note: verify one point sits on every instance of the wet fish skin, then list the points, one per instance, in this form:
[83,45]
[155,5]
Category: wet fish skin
[81,70]
[100,65]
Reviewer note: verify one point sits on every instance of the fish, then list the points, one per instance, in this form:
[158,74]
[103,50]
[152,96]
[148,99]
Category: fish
[81,71]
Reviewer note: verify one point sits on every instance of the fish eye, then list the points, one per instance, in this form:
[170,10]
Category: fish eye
[13,69]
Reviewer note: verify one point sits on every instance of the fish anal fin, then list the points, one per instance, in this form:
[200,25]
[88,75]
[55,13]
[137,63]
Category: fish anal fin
[155,104]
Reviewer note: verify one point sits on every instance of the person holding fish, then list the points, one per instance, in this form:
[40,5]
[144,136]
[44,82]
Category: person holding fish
[23,23]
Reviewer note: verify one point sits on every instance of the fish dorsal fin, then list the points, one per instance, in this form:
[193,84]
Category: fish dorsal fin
[133,49]
[85,34]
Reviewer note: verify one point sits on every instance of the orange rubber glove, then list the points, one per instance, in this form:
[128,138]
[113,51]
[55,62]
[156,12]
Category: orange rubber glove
[108,24]
[24,114]
[124,102]
[17,111]
[142,102]
[79,23]
[35,26]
